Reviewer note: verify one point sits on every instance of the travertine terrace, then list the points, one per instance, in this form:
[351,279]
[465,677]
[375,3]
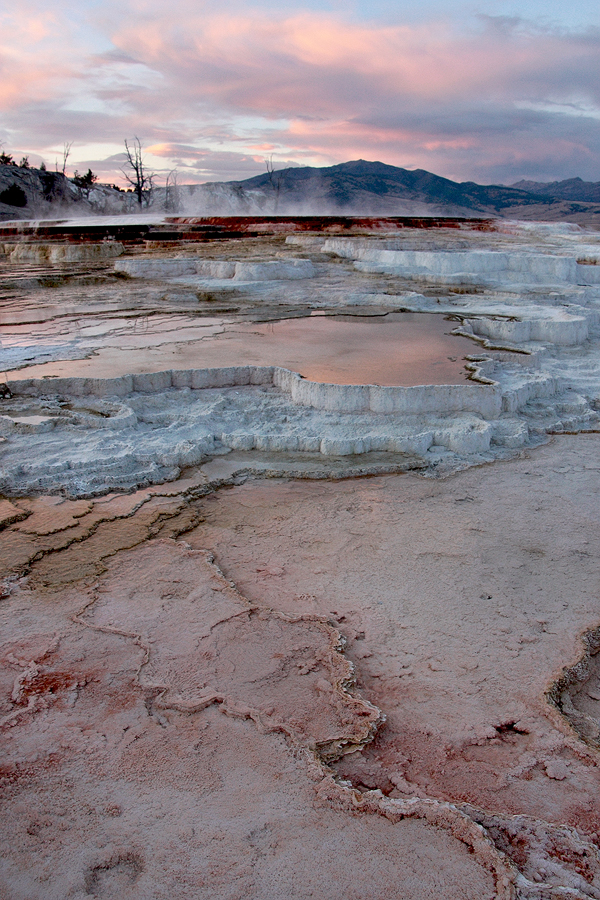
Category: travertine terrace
[269,636]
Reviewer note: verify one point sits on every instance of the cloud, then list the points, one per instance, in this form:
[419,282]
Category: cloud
[325,65]
[497,98]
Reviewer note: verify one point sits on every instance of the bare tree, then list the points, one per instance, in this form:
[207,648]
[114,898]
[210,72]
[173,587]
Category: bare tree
[275,179]
[66,153]
[136,173]
[172,192]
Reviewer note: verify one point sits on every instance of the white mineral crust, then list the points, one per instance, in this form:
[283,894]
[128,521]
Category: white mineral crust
[528,298]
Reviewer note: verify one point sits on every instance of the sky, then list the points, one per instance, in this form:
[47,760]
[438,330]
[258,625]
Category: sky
[491,92]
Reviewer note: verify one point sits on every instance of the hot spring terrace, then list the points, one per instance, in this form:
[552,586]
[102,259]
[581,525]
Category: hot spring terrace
[423,343]
[408,665]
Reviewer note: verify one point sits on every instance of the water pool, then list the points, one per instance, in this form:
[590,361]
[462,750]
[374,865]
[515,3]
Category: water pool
[393,349]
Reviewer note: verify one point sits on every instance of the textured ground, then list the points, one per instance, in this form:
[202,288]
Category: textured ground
[165,721]
[262,679]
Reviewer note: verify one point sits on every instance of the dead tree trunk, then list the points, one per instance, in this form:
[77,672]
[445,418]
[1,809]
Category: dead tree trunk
[137,176]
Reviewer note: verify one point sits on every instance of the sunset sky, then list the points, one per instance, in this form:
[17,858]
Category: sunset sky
[483,91]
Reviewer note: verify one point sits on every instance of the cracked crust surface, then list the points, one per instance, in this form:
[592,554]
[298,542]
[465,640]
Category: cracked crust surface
[328,607]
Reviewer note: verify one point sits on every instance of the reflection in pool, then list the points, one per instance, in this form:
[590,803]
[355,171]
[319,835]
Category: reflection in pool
[392,349]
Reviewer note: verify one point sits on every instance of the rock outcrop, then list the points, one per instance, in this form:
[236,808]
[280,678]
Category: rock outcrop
[28,193]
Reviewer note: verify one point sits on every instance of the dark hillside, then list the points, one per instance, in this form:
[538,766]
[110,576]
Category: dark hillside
[571,189]
[349,183]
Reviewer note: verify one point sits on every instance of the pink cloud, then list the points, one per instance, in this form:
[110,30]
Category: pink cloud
[316,62]
[304,85]
[30,65]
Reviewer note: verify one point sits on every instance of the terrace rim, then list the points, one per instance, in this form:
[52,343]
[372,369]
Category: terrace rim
[210,228]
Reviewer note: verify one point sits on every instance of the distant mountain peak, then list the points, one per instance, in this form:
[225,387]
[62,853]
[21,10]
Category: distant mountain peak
[570,189]
[375,187]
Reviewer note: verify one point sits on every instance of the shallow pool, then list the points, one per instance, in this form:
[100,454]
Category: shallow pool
[392,349]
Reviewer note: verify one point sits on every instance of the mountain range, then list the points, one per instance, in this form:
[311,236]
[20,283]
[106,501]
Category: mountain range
[352,188]
[374,187]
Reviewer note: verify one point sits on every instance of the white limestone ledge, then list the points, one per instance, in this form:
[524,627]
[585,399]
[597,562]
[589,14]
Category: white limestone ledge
[247,271]
[86,436]
[98,414]
[466,266]
[551,325]
[482,399]
[58,253]
[514,388]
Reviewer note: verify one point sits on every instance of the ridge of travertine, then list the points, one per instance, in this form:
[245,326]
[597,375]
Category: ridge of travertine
[534,370]
[85,436]
[289,675]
